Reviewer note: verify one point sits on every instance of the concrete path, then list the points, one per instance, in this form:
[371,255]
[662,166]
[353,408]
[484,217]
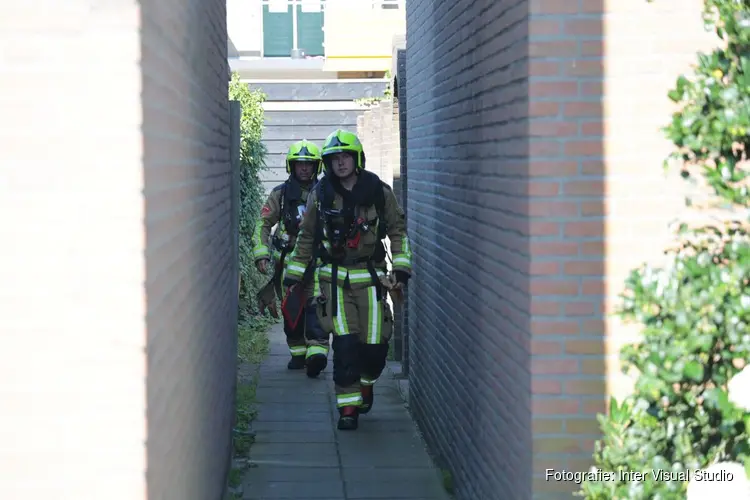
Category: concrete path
[298,453]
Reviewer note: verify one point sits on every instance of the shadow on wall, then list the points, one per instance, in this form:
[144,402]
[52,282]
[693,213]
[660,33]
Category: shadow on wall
[506,214]
[191,287]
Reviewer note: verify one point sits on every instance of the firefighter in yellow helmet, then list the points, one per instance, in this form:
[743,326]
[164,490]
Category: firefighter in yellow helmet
[349,213]
[285,206]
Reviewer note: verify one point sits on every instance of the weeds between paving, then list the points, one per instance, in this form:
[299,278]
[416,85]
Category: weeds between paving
[252,348]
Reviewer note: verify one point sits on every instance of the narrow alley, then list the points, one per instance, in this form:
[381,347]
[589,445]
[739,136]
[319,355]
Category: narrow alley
[524,140]
[299,454]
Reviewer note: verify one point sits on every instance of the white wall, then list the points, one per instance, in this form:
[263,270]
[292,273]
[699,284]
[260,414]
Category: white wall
[244,24]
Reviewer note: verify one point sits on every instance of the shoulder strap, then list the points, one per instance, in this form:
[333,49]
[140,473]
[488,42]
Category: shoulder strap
[282,199]
[323,203]
[380,209]
[325,194]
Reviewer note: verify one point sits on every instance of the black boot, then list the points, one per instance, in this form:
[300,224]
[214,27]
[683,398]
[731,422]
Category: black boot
[348,418]
[296,363]
[316,364]
[368,398]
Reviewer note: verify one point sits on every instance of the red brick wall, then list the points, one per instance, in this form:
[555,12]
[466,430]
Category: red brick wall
[599,74]
[566,209]
[535,184]
[119,304]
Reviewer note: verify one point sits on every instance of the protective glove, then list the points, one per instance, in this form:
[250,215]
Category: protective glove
[290,281]
[401,276]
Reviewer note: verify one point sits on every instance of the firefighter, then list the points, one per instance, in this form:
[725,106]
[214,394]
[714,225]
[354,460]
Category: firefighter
[286,205]
[348,215]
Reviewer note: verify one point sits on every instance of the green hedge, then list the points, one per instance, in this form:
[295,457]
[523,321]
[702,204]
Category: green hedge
[694,312]
[252,195]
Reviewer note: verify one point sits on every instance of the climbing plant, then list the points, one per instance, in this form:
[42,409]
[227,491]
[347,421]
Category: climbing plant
[694,312]
[253,161]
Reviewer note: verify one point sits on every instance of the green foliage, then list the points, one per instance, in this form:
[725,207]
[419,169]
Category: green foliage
[694,311]
[369,102]
[448,484]
[252,342]
[252,349]
[252,194]
[711,129]
[695,314]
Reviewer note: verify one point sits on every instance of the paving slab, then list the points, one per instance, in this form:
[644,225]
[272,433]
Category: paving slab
[292,385]
[265,473]
[276,414]
[298,453]
[381,426]
[291,396]
[293,449]
[317,489]
[296,460]
[302,435]
[308,426]
[392,483]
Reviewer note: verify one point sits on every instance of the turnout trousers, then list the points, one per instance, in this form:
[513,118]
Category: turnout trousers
[307,339]
[362,328]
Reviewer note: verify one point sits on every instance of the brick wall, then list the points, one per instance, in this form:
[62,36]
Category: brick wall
[192,308]
[599,74]
[119,178]
[400,187]
[535,183]
[469,319]
[378,129]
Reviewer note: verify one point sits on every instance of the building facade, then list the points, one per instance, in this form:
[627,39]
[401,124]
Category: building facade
[313,39]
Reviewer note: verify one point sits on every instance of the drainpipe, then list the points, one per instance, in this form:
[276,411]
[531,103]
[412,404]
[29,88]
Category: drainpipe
[295,41]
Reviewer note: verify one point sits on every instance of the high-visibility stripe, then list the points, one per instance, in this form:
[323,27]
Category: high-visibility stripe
[368,381]
[403,259]
[316,349]
[350,399]
[298,350]
[340,325]
[294,269]
[355,275]
[374,316]
[260,252]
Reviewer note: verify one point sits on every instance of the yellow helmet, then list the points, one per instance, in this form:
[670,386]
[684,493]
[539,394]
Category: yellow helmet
[342,141]
[303,150]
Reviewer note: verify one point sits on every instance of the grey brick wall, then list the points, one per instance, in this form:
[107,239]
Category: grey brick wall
[400,186]
[469,319]
[191,289]
[118,346]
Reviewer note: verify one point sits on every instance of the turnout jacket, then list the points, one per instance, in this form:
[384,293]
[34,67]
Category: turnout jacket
[354,270]
[280,208]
